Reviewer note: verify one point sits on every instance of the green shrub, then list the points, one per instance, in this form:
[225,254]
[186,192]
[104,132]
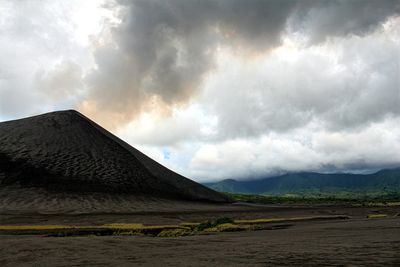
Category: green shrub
[210,224]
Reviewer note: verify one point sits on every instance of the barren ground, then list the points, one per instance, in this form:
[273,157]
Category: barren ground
[356,242]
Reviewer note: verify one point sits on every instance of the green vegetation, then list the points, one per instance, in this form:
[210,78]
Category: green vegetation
[382,184]
[223,224]
[211,224]
[312,198]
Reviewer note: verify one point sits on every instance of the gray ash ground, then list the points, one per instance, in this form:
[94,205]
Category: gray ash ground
[355,242]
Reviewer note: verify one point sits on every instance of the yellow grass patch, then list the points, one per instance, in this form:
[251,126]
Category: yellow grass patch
[227,227]
[293,219]
[174,232]
[159,230]
[122,225]
[376,216]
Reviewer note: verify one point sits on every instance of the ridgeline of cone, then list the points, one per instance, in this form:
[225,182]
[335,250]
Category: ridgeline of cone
[65,152]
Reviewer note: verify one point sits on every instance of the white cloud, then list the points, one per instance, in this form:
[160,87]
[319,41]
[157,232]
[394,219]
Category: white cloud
[285,86]
[328,107]
[344,83]
[37,39]
[183,125]
[308,149]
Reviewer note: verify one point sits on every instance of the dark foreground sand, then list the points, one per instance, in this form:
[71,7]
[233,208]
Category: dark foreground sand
[355,242]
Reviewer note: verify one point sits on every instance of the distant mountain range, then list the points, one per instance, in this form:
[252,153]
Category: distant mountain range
[384,181]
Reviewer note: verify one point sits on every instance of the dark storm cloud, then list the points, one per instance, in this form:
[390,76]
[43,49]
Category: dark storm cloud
[162,49]
[322,19]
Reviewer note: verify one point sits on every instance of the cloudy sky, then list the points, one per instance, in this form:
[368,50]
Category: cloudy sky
[215,89]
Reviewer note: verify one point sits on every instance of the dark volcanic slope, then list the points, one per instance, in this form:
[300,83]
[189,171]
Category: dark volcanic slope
[66,153]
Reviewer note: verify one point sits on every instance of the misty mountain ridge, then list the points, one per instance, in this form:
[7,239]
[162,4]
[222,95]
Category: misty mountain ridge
[384,181]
